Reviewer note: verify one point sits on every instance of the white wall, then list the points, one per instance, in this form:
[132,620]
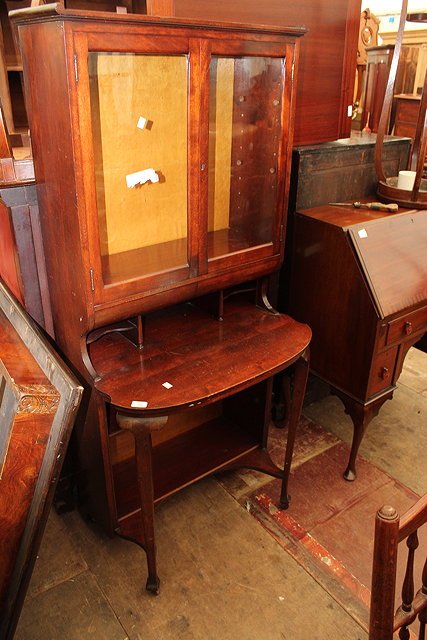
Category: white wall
[388,11]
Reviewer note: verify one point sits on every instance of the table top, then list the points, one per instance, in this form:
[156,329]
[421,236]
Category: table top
[190,358]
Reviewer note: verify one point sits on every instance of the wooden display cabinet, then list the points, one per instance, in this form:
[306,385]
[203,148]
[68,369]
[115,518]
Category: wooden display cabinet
[163,175]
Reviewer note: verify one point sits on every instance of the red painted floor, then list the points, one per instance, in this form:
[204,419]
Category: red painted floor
[329,526]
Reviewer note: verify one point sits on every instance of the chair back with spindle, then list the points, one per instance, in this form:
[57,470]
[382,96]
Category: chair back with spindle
[390,530]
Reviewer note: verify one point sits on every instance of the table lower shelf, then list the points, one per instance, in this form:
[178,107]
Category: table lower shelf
[188,457]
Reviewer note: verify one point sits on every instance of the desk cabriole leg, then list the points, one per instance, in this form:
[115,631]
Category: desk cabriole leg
[361,416]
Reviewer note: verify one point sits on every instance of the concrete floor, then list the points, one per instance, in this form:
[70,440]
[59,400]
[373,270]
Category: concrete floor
[225,574]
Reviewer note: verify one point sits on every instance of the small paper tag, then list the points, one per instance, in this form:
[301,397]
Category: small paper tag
[363,233]
[139,404]
[167,385]
[141,177]
[141,123]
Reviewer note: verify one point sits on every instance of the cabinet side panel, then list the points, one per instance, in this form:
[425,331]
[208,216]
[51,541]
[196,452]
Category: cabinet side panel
[47,76]
[327,291]
[45,73]
[320,98]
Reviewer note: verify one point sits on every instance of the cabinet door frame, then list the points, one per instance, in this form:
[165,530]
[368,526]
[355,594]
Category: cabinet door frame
[83,44]
[285,52]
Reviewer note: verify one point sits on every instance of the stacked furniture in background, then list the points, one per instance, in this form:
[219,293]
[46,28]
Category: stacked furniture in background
[39,399]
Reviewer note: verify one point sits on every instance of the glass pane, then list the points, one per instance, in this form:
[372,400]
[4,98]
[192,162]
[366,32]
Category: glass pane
[139,124]
[244,134]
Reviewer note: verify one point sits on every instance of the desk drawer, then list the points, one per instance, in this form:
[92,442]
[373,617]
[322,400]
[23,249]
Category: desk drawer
[407,111]
[382,371]
[407,325]
[404,129]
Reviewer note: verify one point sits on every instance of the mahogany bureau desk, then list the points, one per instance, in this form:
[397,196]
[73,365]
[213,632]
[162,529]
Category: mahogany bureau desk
[359,278]
[163,175]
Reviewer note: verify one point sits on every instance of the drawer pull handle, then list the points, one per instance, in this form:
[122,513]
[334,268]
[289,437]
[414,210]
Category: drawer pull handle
[408,328]
[385,373]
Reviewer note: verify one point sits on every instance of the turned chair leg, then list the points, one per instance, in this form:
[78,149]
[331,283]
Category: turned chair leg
[141,429]
[300,381]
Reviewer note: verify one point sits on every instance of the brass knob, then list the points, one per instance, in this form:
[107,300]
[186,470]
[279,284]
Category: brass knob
[385,373]
[408,328]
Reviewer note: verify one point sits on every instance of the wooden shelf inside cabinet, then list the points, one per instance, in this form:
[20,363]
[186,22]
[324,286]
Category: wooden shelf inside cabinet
[156,259]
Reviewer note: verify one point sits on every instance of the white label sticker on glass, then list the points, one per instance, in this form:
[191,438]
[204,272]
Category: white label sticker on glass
[139,404]
[140,177]
[141,123]
[363,233]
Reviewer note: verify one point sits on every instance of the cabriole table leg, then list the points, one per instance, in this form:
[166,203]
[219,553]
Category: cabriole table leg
[141,428]
[300,381]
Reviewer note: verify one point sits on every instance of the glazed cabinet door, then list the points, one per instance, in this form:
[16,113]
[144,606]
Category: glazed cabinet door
[134,113]
[247,114]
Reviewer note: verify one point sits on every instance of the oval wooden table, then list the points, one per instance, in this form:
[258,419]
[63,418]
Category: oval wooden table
[215,377]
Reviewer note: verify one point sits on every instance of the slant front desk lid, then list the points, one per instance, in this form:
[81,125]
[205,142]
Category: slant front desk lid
[393,256]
